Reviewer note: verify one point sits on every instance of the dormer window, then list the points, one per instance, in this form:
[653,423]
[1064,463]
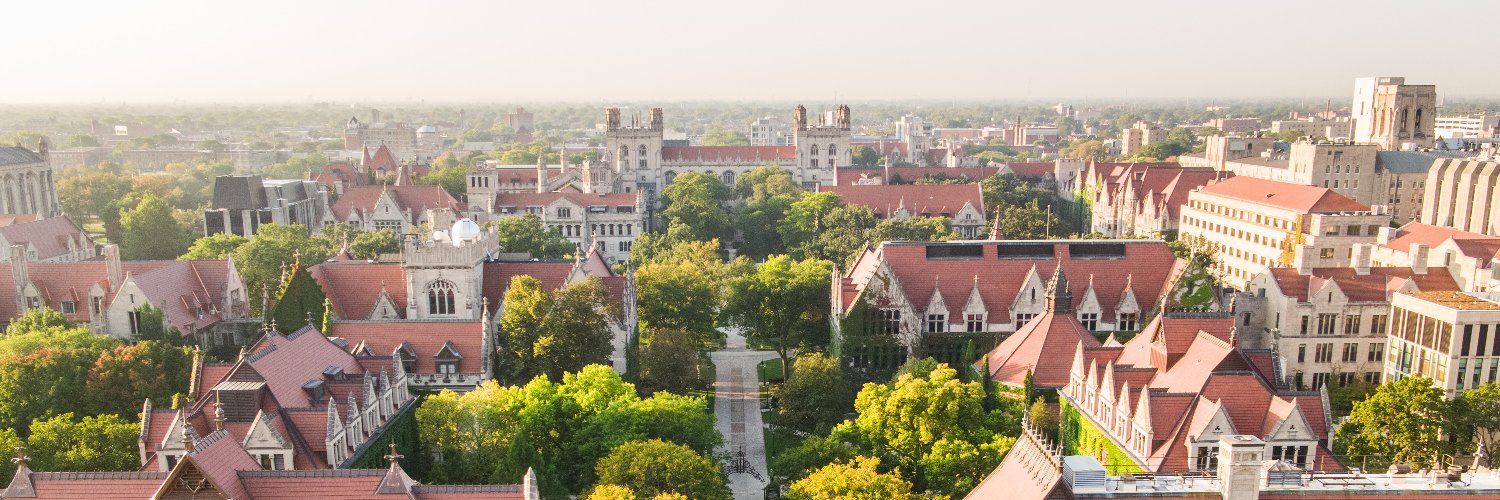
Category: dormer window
[447,359]
[936,323]
[69,307]
[408,357]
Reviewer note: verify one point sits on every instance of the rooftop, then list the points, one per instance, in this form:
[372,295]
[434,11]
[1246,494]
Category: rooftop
[1463,301]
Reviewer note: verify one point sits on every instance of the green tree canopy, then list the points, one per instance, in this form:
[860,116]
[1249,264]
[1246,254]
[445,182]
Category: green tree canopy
[150,232]
[913,229]
[815,396]
[782,301]
[526,233]
[42,318]
[275,248]
[214,247]
[103,443]
[493,433]
[1401,421]
[450,174]
[655,466]
[549,334]
[370,244]
[95,193]
[864,156]
[678,297]
[670,361]
[721,137]
[695,201]
[857,478]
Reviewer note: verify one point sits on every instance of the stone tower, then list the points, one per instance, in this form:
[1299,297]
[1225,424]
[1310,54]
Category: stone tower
[634,151]
[822,147]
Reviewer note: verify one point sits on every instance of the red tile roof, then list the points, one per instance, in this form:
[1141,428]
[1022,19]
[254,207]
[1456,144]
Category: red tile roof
[1163,187]
[1044,346]
[424,338]
[1033,169]
[341,171]
[497,276]
[288,361]
[49,237]
[1475,245]
[1294,197]
[928,200]
[90,485]
[8,219]
[1144,268]
[382,160]
[414,198]
[1029,471]
[176,287]
[727,153]
[220,457]
[354,287]
[1377,286]
[849,176]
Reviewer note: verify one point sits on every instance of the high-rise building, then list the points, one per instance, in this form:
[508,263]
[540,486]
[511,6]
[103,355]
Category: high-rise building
[1452,338]
[1464,194]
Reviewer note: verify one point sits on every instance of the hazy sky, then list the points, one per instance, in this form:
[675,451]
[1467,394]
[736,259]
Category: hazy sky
[591,51]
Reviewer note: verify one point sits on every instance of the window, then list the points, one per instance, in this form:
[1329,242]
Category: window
[1372,377]
[564,212]
[1326,253]
[447,367]
[890,321]
[1351,352]
[1304,325]
[1468,337]
[814,163]
[134,317]
[813,151]
[1128,322]
[1089,320]
[1351,324]
[643,150]
[624,246]
[172,461]
[1326,323]
[1207,459]
[728,178]
[831,150]
[440,297]
[1346,378]
[1323,353]
[973,323]
[624,152]
[1022,319]
[1301,353]
[936,323]
[1318,380]
[1377,324]
[272,461]
[68,307]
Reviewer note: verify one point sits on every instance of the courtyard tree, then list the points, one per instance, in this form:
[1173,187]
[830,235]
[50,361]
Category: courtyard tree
[783,302]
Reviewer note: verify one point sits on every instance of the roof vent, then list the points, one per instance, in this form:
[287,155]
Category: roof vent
[1083,474]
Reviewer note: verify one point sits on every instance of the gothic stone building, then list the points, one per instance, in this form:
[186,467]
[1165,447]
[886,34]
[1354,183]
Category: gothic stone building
[26,183]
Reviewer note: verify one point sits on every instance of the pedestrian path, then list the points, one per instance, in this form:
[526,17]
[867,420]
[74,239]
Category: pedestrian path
[737,411]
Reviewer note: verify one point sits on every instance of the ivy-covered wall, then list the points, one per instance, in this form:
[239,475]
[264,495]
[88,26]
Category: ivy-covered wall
[402,430]
[1080,437]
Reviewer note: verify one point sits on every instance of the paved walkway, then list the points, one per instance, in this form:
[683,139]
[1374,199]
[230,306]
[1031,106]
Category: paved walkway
[737,410]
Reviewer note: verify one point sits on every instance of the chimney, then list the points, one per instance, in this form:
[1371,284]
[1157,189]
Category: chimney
[1384,235]
[19,274]
[1419,258]
[587,175]
[1359,258]
[1239,467]
[1302,259]
[112,266]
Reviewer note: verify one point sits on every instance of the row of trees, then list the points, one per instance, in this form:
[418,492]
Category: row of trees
[1409,421]
[590,428]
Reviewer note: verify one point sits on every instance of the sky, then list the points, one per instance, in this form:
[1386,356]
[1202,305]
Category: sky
[586,51]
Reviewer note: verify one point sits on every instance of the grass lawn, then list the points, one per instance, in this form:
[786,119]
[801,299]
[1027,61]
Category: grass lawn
[1197,290]
[770,371]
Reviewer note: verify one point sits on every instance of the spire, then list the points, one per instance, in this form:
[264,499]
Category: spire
[1059,298]
[20,484]
[403,176]
[395,481]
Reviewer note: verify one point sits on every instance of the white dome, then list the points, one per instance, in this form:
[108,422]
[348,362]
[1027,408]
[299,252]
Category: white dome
[464,230]
[427,129]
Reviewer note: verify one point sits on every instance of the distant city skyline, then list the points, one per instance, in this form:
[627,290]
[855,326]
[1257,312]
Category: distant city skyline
[276,51]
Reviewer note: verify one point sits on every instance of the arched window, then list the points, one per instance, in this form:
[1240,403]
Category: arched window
[814,150]
[728,178]
[624,152]
[1417,126]
[670,176]
[440,297]
[831,150]
[643,150]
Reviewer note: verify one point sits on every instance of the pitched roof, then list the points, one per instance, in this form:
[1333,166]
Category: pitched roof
[1475,245]
[497,275]
[177,287]
[353,287]
[288,361]
[1412,161]
[580,199]
[927,200]
[423,338]
[414,198]
[1029,471]
[1295,197]
[727,153]
[16,155]
[1377,286]
[382,160]
[49,237]
[1110,265]
[1044,346]
[9,219]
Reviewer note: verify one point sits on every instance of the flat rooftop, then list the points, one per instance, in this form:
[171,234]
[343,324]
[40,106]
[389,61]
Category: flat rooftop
[1317,485]
[1463,301]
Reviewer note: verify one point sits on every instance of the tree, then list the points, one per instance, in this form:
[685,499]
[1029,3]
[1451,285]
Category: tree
[863,156]
[95,193]
[43,372]
[813,453]
[214,247]
[151,233]
[370,244]
[1085,150]
[37,319]
[845,230]
[857,478]
[670,362]
[448,173]
[936,427]
[815,396]
[1029,222]
[653,467]
[720,137]
[102,443]
[682,297]
[1402,421]
[527,234]
[782,301]
[766,182]
[493,433]
[913,229]
[1478,411]
[695,201]
[1043,417]
[549,334]
[126,375]
[265,258]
